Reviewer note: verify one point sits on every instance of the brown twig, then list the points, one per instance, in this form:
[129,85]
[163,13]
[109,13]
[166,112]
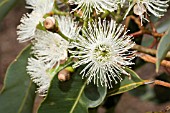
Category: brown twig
[142,30]
[152,59]
[145,31]
[138,33]
[127,21]
[152,25]
[154,43]
[147,50]
[137,21]
[154,34]
[162,83]
[157,82]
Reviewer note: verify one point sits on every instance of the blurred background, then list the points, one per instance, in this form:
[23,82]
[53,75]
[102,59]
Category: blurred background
[144,99]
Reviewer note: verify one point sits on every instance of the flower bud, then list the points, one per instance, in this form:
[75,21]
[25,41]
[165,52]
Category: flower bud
[64,75]
[49,23]
[139,9]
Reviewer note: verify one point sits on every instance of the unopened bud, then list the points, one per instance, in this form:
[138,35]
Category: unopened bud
[49,23]
[64,75]
[139,9]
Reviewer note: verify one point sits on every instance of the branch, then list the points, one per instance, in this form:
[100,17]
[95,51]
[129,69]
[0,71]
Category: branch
[154,34]
[162,83]
[157,82]
[137,21]
[142,30]
[151,59]
[145,31]
[138,33]
[147,50]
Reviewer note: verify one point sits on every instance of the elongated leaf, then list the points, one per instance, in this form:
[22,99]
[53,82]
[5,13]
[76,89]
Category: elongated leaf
[5,6]
[127,84]
[163,48]
[73,96]
[18,93]
[164,25]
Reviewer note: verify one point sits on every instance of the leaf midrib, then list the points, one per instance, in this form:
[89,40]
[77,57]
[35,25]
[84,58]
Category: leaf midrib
[78,98]
[25,97]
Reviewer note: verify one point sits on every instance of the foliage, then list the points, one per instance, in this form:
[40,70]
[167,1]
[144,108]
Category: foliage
[5,6]
[18,91]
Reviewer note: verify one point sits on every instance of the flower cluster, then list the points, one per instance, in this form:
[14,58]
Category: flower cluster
[100,45]
[29,22]
[87,6]
[49,48]
[155,7]
[140,7]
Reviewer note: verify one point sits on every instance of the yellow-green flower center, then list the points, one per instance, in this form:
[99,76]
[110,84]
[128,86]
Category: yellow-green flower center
[102,53]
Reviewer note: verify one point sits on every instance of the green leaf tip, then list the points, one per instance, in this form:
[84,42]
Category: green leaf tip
[163,48]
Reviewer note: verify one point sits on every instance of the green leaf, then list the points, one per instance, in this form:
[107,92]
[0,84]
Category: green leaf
[5,6]
[72,96]
[18,92]
[127,84]
[163,25]
[163,48]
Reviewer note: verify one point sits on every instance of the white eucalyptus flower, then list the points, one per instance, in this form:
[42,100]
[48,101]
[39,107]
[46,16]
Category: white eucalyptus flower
[27,28]
[45,5]
[104,51]
[88,6]
[67,26]
[49,47]
[39,74]
[33,3]
[29,22]
[155,7]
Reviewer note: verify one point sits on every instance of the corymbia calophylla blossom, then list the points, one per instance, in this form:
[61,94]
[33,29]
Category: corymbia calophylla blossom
[103,47]
[40,74]
[29,22]
[50,47]
[104,51]
[88,6]
[142,7]
[45,5]
[67,26]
